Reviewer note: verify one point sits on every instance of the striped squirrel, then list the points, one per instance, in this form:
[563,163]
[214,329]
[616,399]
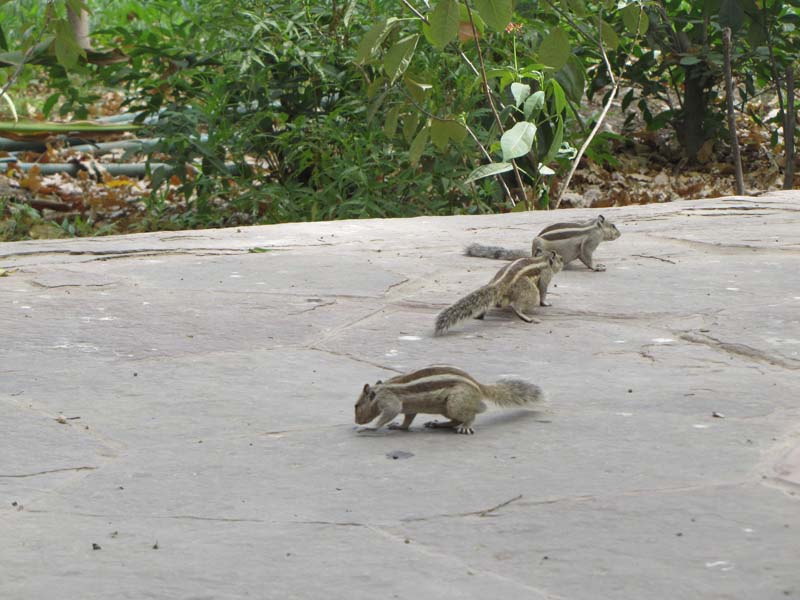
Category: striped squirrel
[520,285]
[438,390]
[570,240]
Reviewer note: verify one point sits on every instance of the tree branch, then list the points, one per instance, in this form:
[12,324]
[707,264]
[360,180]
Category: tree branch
[737,157]
[788,130]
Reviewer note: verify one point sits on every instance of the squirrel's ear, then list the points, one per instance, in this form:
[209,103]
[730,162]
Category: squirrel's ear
[366,389]
[379,382]
[601,219]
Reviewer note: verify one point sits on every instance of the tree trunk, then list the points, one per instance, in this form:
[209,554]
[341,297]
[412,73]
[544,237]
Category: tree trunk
[80,27]
[692,132]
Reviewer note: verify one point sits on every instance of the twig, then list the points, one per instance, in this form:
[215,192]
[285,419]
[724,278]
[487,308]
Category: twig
[737,157]
[595,129]
[788,130]
[487,91]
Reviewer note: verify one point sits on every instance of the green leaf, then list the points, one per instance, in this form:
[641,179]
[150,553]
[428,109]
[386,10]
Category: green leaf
[571,78]
[633,15]
[374,38]
[559,98]
[518,140]
[755,35]
[416,89]
[456,131]
[661,120]
[3,41]
[545,170]
[626,101]
[376,86]
[258,250]
[399,56]
[444,19]
[520,91]
[66,47]
[444,130]
[496,13]
[78,5]
[390,125]
[608,35]
[440,135]
[417,146]
[576,7]
[410,126]
[488,171]
[731,14]
[50,103]
[533,104]
[556,143]
[690,60]
[554,49]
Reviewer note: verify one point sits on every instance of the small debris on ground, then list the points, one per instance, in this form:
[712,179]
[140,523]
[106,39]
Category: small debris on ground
[395,454]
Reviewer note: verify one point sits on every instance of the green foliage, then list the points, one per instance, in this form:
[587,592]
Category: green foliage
[300,110]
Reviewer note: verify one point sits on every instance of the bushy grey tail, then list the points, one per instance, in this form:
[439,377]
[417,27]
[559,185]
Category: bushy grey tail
[513,392]
[469,306]
[481,251]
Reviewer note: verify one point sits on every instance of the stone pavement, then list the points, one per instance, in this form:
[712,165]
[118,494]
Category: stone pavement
[185,405]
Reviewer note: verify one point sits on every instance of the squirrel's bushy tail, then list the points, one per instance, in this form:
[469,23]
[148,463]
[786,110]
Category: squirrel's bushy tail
[497,252]
[469,306]
[513,392]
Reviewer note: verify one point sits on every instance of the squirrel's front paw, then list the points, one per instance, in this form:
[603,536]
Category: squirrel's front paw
[465,430]
[397,426]
[599,267]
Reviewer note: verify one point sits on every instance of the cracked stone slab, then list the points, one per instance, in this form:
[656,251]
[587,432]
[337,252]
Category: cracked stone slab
[65,450]
[218,386]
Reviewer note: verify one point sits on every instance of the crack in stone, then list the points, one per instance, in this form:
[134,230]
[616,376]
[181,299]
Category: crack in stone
[351,357]
[666,260]
[334,523]
[758,207]
[590,498]
[160,517]
[49,471]
[315,307]
[394,285]
[723,246]
[106,254]
[63,285]
[739,350]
